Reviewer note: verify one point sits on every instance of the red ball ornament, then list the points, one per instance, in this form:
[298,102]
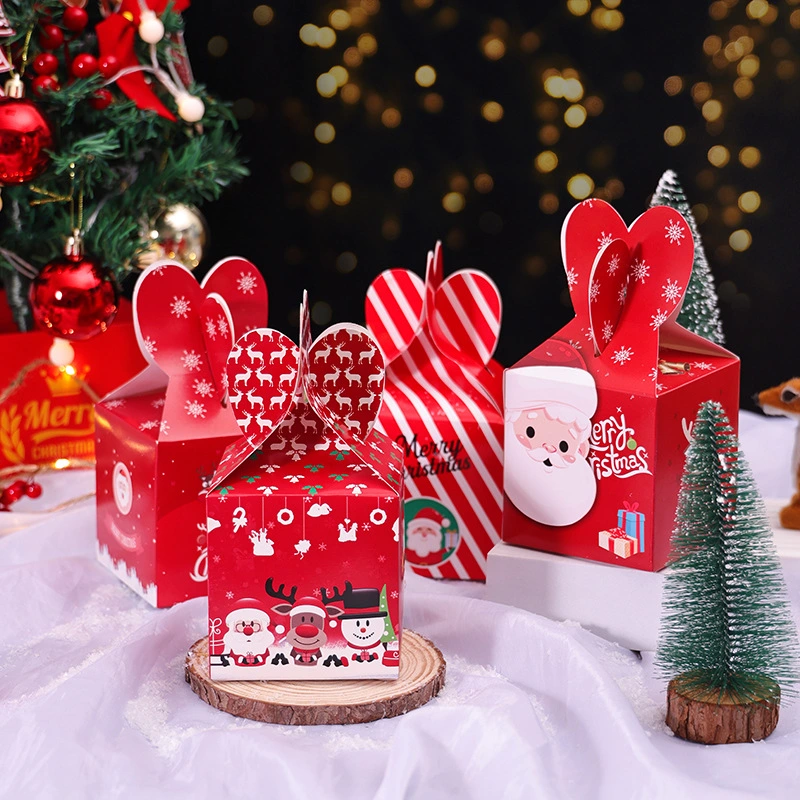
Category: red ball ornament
[10,495]
[33,490]
[42,84]
[74,296]
[25,135]
[83,65]
[108,66]
[75,19]
[45,64]
[51,37]
[101,99]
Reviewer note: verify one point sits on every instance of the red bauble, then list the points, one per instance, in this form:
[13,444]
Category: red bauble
[33,490]
[25,135]
[83,65]
[108,66]
[10,495]
[51,37]
[74,297]
[45,64]
[42,84]
[75,19]
[101,99]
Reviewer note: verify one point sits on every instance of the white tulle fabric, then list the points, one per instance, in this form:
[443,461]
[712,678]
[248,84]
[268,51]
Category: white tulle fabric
[93,701]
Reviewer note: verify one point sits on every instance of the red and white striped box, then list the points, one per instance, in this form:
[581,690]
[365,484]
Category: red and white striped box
[443,404]
[616,541]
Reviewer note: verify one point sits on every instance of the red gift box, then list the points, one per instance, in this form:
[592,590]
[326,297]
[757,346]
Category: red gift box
[616,541]
[304,517]
[50,415]
[160,437]
[599,416]
[443,404]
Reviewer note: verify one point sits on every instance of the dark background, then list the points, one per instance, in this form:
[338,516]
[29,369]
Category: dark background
[298,235]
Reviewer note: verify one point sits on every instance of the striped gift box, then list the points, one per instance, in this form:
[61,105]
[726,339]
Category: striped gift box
[443,404]
[616,541]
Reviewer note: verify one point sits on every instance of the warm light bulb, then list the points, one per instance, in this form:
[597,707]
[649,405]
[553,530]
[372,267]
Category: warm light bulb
[151,28]
[61,353]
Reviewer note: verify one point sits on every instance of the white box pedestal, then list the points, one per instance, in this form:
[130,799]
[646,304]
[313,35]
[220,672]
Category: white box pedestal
[620,604]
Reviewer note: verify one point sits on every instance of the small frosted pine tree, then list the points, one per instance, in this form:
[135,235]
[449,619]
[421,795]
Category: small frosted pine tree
[700,310]
[727,632]
[388,629]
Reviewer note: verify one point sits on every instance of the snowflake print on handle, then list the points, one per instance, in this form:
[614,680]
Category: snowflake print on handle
[248,305]
[675,232]
[671,291]
[622,355]
[605,286]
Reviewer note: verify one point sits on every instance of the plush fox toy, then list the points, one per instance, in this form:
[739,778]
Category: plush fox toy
[784,401]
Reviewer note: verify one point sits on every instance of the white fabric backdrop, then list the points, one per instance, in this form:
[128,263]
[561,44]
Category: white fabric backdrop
[93,701]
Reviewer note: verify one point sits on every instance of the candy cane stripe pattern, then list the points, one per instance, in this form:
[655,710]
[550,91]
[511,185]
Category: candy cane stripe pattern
[442,404]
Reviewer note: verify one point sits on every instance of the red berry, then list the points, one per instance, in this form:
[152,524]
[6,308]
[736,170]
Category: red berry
[83,65]
[101,99]
[19,486]
[45,64]
[44,83]
[10,495]
[75,19]
[33,490]
[108,66]
[51,37]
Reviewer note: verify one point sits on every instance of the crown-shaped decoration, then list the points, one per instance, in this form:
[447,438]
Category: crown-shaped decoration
[60,383]
[295,399]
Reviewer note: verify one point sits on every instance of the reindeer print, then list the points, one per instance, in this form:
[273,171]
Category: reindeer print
[263,423]
[352,377]
[308,424]
[254,399]
[376,377]
[353,424]
[323,353]
[235,398]
[343,401]
[264,377]
[242,377]
[366,355]
[244,420]
[287,377]
[278,399]
[278,354]
[366,402]
[255,355]
[331,377]
[279,444]
[344,355]
[235,353]
[298,447]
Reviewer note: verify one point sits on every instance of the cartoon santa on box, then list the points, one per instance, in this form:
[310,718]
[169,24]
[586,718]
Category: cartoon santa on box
[248,638]
[547,432]
[426,535]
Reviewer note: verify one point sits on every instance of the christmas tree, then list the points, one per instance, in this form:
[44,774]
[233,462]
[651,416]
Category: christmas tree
[133,136]
[700,310]
[727,633]
[388,629]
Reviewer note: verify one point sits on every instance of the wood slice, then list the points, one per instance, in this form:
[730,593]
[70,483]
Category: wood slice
[699,717]
[422,672]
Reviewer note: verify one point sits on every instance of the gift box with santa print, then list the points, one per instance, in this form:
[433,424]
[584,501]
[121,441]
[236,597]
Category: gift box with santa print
[305,515]
[442,404]
[159,437]
[598,417]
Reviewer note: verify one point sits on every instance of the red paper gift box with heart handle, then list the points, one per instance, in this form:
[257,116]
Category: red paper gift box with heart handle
[160,436]
[305,513]
[598,417]
[443,405]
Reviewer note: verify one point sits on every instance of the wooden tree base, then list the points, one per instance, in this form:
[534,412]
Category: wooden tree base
[698,717]
[422,672]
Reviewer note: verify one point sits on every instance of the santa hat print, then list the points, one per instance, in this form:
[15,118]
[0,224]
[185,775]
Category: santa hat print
[427,517]
[248,608]
[308,605]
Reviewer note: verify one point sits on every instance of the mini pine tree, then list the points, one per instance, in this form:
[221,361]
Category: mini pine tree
[388,629]
[727,634]
[700,310]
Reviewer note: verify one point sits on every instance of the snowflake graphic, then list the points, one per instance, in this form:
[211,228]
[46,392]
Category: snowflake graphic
[191,360]
[622,294]
[605,238]
[654,374]
[323,546]
[163,428]
[149,425]
[229,595]
[217,559]
[671,291]
[572,278]
[394,595]
[159,403]
[622,355]
[588,202]
[203,388]
[702,365]
[640,270]
[195,409]
[674,232]
[613,264]
[150,345]
[211,329]
[381,559]
[222,325]
[658,319]
[115,403]
[246,283]
[365,527]
[317,592]
[660,387]
[180,307]
[575,343]
[270,526]
[594,291]
[608,331]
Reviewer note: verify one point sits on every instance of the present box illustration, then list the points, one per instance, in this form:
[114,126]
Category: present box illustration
[443,405]
[159,437]
[598,417]
[305,515]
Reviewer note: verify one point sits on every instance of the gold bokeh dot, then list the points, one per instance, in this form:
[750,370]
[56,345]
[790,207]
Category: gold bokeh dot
[367,44]
[341,193]
[712,110]
[493,47]
[580,186]
[391,117]
[350,93]
[743,88]
[319,200]
[325,133]
[483,183]
[749,202]
[301,172]
[740,240]
[433,102]
[326,85]
[308,34]
[492,111]
[546,161]
[673,85]
[390,229]
[750,156]
[731,216]
[217,46]
[548,203]
[425,75]
[575,116]
[263,15]
[453,202]
[326,38]
[403,178]
[718,155]
[340,19]
[578,7]
[549,135]
[340,74]
[756,9]
[352,57]
[701,91]
[458,183]
[748,67]
[674,135]
[594,105]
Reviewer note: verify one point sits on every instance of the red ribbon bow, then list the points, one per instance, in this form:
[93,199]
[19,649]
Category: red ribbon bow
[630,506]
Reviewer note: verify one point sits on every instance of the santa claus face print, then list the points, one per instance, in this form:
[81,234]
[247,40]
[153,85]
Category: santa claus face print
[546,475]
[362,633]
[248,633]
[424,539]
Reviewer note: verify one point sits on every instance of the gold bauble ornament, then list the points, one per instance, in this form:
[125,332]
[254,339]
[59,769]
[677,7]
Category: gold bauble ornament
[179,232]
